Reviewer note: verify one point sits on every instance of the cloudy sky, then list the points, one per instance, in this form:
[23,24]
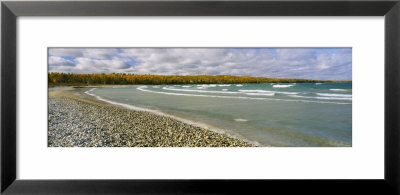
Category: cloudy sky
[312,63]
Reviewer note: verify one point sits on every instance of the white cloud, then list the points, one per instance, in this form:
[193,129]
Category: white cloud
[89,65]
[59,61]
[66,52]
[283,63]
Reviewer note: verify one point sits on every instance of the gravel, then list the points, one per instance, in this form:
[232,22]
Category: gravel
[78,121]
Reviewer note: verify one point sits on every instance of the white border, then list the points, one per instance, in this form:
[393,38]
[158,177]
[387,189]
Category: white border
[362,161]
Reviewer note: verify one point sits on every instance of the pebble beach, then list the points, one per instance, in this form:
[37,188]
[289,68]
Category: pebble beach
[76,119]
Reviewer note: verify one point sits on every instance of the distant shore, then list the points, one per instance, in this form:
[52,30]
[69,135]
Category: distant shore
[73,79]
[77,119]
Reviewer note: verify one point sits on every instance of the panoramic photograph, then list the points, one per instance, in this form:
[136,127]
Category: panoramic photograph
[199,97]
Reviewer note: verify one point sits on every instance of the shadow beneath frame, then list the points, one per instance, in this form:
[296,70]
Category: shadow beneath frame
[308,187]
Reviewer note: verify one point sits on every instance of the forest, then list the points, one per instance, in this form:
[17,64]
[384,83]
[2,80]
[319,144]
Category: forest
[72,79]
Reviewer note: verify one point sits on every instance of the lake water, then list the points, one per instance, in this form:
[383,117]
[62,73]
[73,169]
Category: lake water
[292,114]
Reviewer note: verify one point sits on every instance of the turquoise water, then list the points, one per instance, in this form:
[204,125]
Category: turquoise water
[292,114]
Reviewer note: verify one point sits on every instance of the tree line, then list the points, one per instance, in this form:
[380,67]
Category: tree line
[59,79]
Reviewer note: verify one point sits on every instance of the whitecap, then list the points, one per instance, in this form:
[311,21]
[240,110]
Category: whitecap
[207,85]
[338,89]
[198,91]
[240,120]
[281,86]
[236,97]
[252,90]
[265,91]
[239,85]
[261,94]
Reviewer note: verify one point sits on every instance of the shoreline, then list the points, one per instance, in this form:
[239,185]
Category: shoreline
[181,119]
[161,124]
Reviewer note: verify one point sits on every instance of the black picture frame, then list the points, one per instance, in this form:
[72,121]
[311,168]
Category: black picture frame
[10,10]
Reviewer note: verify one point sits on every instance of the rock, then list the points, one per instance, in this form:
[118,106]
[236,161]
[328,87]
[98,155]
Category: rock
[81,121]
